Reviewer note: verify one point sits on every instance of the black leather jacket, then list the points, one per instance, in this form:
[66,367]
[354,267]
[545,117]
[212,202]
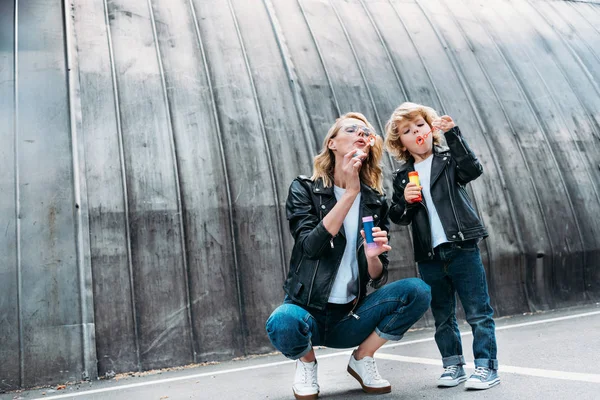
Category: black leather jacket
[317,254]
[451,170]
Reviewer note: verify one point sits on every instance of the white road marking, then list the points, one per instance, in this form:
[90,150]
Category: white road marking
[524,371]
[543,373]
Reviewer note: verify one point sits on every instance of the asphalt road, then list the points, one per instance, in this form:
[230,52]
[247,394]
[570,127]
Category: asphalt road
[550,355]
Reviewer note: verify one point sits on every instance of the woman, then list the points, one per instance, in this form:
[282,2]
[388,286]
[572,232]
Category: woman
[326,301]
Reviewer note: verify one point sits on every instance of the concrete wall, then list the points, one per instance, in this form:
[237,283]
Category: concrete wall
[146,148]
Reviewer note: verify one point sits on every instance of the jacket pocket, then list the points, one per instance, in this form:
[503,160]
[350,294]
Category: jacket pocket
[298,289]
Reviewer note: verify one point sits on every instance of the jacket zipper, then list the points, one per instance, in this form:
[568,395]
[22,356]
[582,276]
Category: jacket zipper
[299,264]
[430,241]
[351,313]
[427,211]
[312,282]
[460,234]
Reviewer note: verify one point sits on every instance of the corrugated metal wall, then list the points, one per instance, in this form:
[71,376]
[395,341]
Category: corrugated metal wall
[146,148]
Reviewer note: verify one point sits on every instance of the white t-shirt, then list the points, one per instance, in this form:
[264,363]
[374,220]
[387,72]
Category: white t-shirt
[438,236]
[344,288]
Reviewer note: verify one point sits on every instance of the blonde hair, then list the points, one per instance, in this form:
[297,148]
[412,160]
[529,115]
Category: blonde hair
[407,112]
[370,174]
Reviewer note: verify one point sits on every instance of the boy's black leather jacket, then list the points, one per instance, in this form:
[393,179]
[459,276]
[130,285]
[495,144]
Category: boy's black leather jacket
[451,170]
[317,254]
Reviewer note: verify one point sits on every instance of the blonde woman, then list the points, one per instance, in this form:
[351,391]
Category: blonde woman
[326,301]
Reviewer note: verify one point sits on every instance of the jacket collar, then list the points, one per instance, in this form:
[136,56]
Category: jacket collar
[437,165]
[368,195]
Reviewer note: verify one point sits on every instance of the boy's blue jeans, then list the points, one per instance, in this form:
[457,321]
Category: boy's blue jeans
[457,269]
[389,311]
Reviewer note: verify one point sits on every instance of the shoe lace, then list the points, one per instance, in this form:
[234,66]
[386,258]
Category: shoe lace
[451,369]
[308,376]
[481,372]
[372,369]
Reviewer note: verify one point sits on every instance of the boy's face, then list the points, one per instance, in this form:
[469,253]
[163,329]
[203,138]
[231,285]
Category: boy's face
[416,136]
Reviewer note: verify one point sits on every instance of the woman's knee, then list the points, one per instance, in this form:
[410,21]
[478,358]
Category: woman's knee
[412,291]
[290,330]
[419,292]
[287,322]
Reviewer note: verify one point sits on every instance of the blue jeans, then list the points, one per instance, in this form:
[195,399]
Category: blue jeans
[457,268]
[390,312]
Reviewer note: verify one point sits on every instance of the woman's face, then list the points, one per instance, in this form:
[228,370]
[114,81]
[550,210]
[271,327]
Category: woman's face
[353,135]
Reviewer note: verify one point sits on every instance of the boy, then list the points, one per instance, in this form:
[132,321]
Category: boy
[446,230]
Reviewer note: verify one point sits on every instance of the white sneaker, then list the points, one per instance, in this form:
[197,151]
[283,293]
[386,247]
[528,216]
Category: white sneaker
[305,381]
[365,372]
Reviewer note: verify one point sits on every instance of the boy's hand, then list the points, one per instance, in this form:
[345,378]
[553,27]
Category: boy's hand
[412,192]
[445,123]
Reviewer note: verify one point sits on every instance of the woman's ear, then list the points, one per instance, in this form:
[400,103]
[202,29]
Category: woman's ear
[331,145]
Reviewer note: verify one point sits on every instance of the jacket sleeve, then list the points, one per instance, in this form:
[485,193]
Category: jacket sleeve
[305,225]
[468,167]
[401,212]
[384,224]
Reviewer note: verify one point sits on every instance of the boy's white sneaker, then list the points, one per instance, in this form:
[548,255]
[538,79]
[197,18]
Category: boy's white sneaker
[306,386]
[365,372]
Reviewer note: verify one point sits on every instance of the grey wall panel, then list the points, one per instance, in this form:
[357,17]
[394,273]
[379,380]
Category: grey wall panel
[255,203]
[347,81]
[116,325]
[576,146]
[565,158]
[50,307]
[178,126]
[10,369]
[571,81]
[205,187]
[495,206]
[531,134]
[156,237]
[317,94]
[280,117]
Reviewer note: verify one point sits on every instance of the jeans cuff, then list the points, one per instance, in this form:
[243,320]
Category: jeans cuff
[486,362]
[453,360]
[303,353]
[387,336]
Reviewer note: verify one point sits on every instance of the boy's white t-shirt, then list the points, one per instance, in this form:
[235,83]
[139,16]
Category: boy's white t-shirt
[344,288]
[438,236]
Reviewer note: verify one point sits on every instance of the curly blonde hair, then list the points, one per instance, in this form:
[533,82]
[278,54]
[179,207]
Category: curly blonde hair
[407,112]
[371,172]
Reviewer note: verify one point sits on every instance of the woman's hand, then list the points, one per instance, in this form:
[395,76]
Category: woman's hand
[445,123]
[380,239]
[412,192]
[351,170]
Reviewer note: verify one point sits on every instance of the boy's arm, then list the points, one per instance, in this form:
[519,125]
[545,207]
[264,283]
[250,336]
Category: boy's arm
[468,167]
[401,212]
